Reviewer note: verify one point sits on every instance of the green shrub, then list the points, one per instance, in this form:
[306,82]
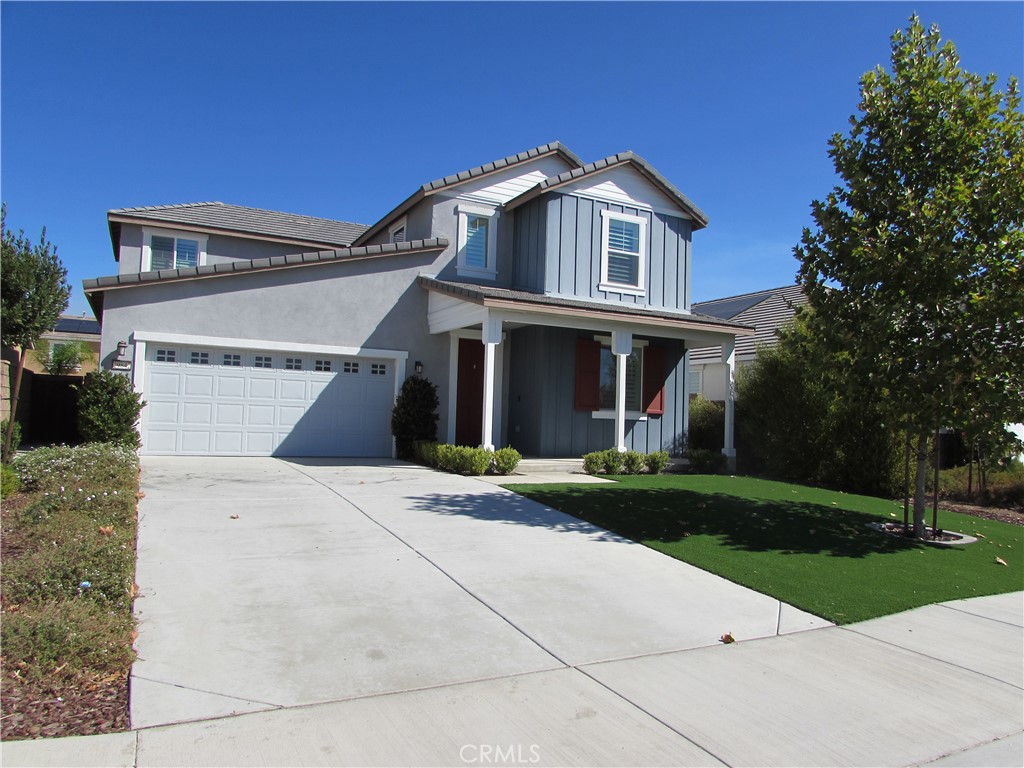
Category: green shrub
[593,462]
[425,452]
[707,424]
[80,635]
[656,462]
[633,462]
[108,409]
[414,416]
[475,461]
[705,462]
[15,435]
[1003,487]
[11,481]
[612,461]
[506,460]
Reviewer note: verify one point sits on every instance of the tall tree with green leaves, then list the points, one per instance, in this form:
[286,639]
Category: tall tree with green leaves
[914,268]
[33,293]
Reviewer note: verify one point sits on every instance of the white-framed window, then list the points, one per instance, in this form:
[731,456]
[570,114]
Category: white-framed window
[293,363]
[263,361]
[634,378]
[199,358]
[350,367]
[623,252]
[478,240]
[166,356]
[232,360]
[396,232]
[166,249]
[696,381]
[378,369]
[323,366]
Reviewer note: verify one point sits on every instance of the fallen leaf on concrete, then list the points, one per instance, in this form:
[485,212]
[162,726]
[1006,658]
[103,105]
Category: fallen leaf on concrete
[727,638]
[234,517]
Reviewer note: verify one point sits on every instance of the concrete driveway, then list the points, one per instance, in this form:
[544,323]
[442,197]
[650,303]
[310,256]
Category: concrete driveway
[268,583]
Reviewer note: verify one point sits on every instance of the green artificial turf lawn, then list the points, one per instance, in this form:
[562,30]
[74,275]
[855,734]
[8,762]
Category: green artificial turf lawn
[808,547]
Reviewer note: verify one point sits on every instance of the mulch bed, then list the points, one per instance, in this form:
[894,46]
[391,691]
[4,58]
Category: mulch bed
[1012,516]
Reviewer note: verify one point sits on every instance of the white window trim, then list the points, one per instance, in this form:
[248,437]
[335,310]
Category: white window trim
[147,247]
[606,284]
[400,224]
[606,341]
[464,211]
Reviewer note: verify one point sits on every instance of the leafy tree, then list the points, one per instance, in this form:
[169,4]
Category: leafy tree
[108,409]
[33,293]
[414,416]
[64,358]
[914,269]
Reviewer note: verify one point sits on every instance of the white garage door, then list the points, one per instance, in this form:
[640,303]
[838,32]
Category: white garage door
[237,402]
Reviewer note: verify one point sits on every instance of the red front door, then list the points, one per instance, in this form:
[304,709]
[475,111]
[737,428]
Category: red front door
[469,404]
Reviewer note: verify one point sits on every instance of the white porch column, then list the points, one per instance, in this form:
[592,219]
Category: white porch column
[491,338]
[729,360]
[622,346]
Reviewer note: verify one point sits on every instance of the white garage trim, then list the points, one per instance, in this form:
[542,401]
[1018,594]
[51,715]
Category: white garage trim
[273,346]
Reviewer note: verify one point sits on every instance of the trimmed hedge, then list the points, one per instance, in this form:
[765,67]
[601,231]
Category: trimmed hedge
[612,462]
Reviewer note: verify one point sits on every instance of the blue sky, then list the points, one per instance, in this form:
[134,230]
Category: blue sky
[342,110]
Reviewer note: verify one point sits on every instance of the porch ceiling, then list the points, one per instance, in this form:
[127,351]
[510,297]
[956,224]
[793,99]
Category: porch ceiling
[456,305]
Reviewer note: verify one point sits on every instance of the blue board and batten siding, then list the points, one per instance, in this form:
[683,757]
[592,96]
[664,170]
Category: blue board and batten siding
[542,418]
[557,246]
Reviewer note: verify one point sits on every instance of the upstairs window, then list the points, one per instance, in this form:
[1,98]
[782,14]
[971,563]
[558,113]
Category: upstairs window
[623,252]
[170,250]
[477,241]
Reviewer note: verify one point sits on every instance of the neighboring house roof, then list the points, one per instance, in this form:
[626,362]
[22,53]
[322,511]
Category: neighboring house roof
[80,325]
[489,295]
[553,147]
[95,287]
[700,219]
[767,311]
[237,219]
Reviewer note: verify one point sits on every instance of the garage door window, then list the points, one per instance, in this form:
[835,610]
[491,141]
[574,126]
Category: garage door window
[200,358]
[232,360]
[166,356]
[293,363]
[323,366]
[378,369]
[351,367]
[263,362]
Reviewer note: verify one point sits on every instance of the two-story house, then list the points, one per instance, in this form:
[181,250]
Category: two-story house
[548,299]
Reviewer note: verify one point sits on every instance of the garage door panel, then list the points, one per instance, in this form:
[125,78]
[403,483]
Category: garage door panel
[213,402]
[229,414]
[262,387]
[230,386]
[260,416]
[165,383]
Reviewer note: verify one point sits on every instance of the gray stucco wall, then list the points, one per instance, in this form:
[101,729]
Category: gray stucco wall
[558,251]
[372,303]
[542,420]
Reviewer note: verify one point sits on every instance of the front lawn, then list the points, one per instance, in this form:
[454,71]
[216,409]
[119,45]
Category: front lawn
[805,546]
[68,583]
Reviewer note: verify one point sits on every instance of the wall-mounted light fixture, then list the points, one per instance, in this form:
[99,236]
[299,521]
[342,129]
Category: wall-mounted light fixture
[122,347]
[418,367]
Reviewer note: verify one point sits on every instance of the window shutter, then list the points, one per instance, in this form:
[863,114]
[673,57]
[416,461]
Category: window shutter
[654,380]
[588,375]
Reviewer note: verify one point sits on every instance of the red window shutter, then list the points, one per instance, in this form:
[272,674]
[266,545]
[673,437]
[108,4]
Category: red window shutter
[588,375]
[654,380]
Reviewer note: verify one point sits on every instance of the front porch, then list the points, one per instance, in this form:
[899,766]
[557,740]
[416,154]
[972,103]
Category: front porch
[557,377]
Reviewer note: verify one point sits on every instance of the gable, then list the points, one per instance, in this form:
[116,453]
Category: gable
[499,187]
[624,185]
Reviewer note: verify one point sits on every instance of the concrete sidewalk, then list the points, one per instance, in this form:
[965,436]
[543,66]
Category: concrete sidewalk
[938,685]
[324,613]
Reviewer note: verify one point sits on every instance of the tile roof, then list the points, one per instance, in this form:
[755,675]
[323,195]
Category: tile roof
[480,293]
[767,311]
[243,220]
[700,219]
[554,147]
[94,287]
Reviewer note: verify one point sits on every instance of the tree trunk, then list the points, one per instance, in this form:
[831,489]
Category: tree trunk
[5,454]
[920,495]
